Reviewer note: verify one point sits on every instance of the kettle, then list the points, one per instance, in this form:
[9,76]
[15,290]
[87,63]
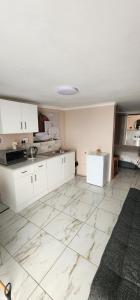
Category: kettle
[32,152]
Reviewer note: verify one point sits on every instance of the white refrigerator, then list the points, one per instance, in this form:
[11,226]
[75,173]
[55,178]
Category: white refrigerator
[97,168]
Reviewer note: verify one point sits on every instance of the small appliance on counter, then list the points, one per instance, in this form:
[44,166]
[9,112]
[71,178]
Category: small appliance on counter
[11,156]
[32,152]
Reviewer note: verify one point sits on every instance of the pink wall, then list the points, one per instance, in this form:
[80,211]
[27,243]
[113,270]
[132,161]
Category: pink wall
[7,139]
[88,129]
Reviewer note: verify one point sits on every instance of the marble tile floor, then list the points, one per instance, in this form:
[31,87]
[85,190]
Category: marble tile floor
[52,249]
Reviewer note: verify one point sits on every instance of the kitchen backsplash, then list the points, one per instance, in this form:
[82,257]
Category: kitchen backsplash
[6,140]
[48,146]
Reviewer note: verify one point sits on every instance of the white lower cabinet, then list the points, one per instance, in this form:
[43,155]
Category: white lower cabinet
[19,187]
[54,172]
[69,166]
[39,180]
[24,191]
[60,169]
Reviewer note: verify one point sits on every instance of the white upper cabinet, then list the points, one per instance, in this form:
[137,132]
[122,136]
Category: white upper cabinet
[16,117]
[10,117]
[29,117]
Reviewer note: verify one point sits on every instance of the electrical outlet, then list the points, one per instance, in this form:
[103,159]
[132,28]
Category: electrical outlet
[25,140]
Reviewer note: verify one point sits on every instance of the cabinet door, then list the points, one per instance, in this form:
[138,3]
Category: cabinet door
[40,180]
[55,172]
[69,166]
[29,117]
[10,117]
[24,190]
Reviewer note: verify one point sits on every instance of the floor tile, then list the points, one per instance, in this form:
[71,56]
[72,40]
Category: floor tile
[39,294]
[112,205]
[70,278]
[4,255]
[21,236]
[90,187]
[70,190]
[3,207]
[91,198]
[77,179]
[63,228]
[9,232]
[116,193]
[49,196]
[124,186]
[32,207]
[137,186]
[59,202]
[102,220]
[90,243]
[22,283]
[7,218]
[38,256]
[41,214]
[79,210]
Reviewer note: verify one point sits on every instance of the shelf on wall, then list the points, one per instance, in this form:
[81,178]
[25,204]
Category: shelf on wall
[128,148]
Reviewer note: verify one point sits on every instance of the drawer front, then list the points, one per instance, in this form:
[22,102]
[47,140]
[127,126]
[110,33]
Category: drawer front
[22,172]
[40,165]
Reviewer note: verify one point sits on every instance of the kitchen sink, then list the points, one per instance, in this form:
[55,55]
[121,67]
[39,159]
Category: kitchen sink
[53,153]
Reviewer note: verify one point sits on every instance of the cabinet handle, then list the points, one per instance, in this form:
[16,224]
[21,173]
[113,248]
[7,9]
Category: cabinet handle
[62,160]
[31,179]
[24,172]
[35,177]
[21,127]
[25,125]
[40,166]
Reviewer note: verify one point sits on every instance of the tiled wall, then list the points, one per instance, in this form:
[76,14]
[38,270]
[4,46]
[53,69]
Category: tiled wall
[48,146]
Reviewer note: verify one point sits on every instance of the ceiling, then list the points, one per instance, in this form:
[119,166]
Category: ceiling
[91,44]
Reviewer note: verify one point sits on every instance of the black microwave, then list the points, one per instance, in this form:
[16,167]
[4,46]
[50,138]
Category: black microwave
[10,156]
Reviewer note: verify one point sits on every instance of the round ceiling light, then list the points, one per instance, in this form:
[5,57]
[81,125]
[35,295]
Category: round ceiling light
[67,90]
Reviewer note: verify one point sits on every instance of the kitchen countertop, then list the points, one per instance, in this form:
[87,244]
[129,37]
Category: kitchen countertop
[23,164]
[29,162]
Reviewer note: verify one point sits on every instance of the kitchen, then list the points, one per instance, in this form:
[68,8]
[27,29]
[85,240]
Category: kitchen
[43,158]
[69,150]
[30,176]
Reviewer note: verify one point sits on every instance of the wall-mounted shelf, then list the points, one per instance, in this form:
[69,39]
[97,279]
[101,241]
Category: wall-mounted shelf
[128,148]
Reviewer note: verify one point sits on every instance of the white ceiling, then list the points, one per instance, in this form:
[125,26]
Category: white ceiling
[91,44]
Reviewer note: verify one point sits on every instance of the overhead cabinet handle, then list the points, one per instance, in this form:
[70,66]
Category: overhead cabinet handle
[40,166]
[25,125]
[21,126]
[24,171]
[35,177]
